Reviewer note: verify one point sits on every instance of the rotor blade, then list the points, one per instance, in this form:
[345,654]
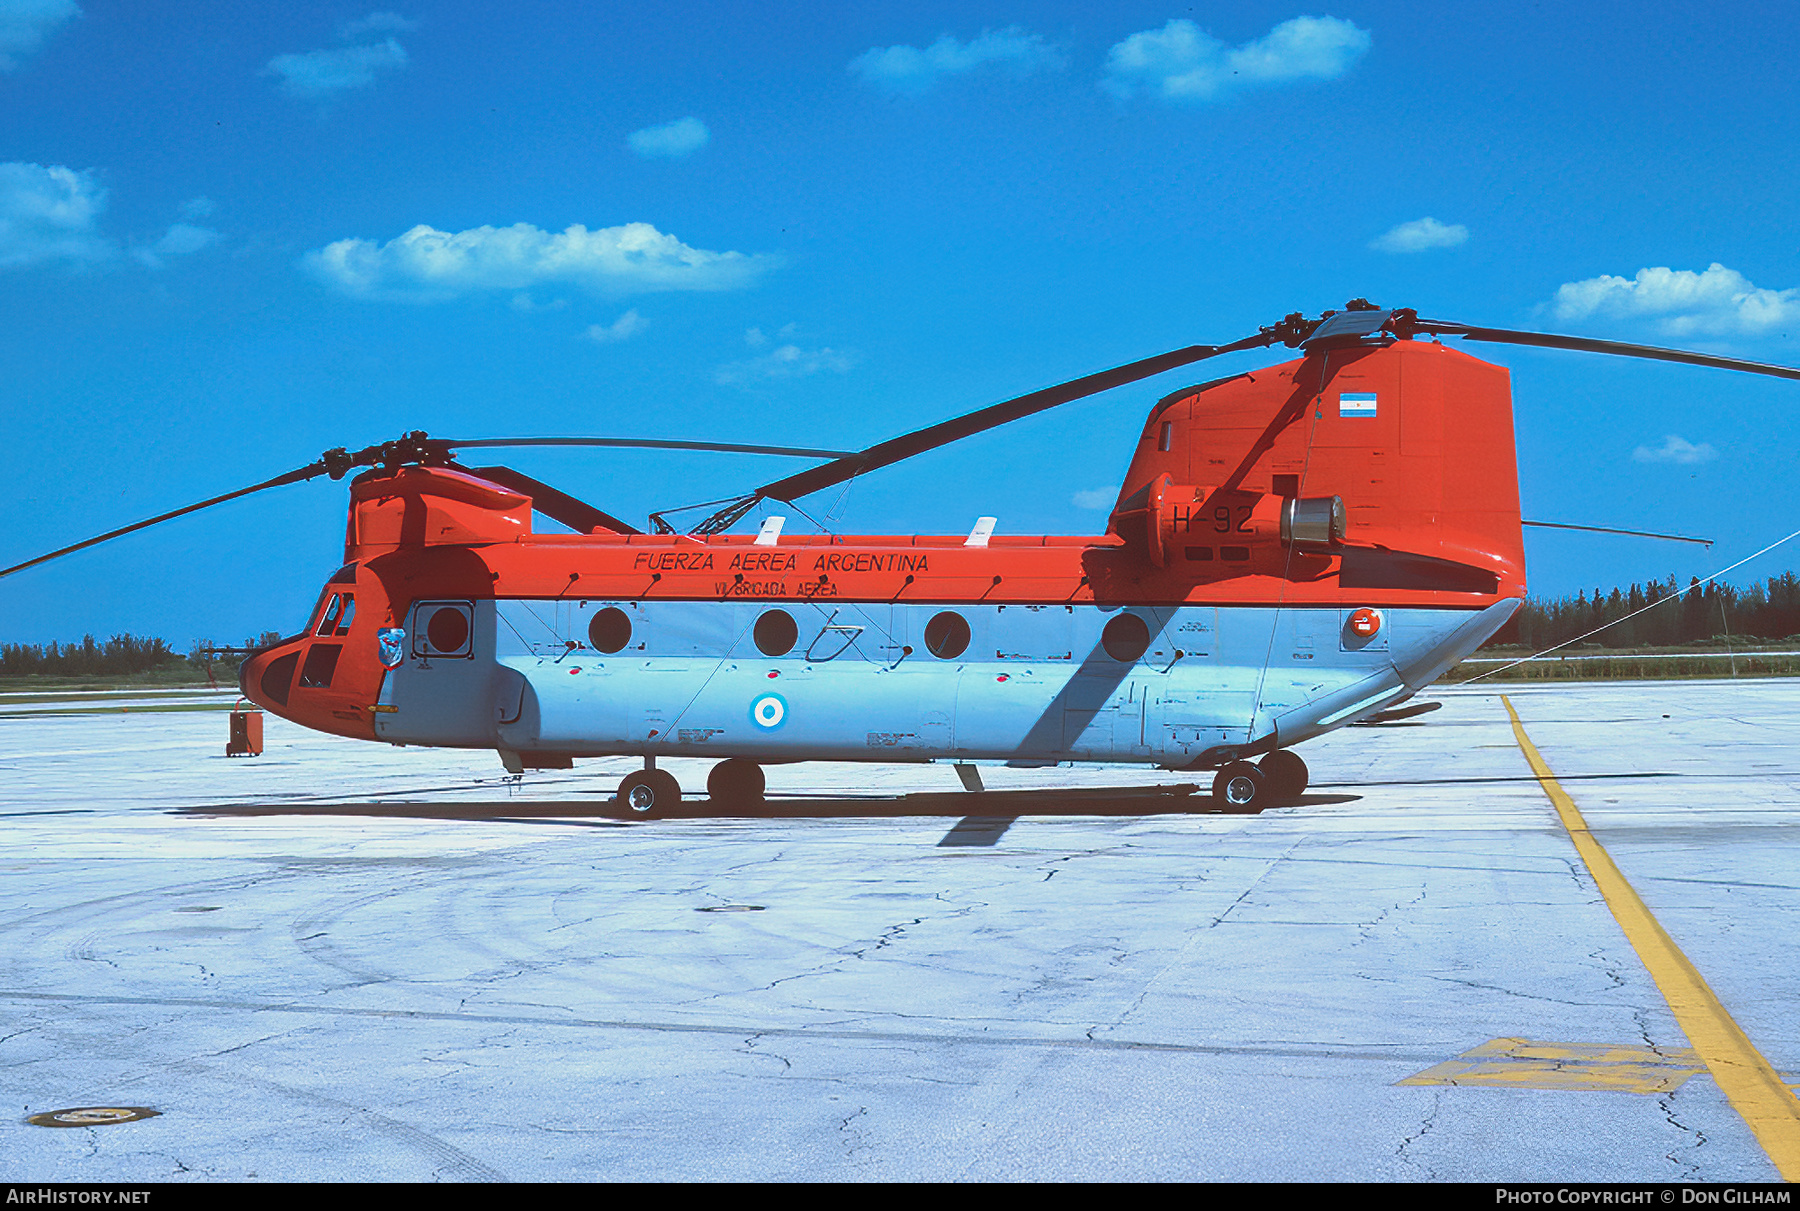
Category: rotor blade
[578,515]
[1550,340]
[635,443]
[291,477]
[931,437]
[1557,525]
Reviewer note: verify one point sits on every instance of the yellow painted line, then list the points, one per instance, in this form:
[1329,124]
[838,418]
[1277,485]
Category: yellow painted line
[1753,1086]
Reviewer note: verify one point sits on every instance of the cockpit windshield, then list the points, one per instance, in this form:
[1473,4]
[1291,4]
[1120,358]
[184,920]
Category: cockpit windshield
[339,612]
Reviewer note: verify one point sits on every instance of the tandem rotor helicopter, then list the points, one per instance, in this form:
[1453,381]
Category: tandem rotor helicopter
[1293,549]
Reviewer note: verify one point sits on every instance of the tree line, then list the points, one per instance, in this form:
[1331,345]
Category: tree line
[1704,614]
[119,655]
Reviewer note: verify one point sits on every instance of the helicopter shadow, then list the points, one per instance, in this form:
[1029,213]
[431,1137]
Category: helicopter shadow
[983,815]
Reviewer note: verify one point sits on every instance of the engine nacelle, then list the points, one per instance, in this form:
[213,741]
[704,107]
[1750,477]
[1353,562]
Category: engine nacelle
[1313,522]
[1168,521]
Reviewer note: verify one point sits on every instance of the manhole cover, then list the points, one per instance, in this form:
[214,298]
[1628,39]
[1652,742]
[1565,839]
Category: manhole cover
[92,1116]
[731,908]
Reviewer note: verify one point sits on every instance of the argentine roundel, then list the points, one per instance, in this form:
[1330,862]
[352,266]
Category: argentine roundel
[768,711]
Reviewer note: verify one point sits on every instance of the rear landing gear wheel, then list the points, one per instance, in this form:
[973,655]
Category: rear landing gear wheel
[736,785]
[648,794]
[1285,773]
[1240,788]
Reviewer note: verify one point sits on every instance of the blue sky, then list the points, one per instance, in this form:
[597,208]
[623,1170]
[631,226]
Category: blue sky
[232,237]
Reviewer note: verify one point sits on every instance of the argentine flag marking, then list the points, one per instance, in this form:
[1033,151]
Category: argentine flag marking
[1360,404]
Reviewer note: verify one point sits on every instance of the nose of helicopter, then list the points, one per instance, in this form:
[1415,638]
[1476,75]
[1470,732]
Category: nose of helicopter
[325,683]
[267,678]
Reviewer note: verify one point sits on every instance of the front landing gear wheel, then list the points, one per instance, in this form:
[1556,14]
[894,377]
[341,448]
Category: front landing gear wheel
[648,794]
[1240,787]
[736,785]
[1285,773]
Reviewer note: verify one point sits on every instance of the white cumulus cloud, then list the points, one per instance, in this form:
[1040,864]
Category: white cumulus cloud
[671,141]
[24,24]
[49,214]
[621,329]
[915,69]
[1680,302]
[182,239]
[1182,62]
[1421,234]
[426,264]
[1675,450]
[317,74]
[784,362]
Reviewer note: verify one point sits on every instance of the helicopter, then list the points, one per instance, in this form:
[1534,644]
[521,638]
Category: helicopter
[1293,549]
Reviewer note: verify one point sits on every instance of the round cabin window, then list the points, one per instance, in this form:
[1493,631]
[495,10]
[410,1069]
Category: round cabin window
[610,630]
[448,630]
[776,633]
[1125,638]
[947,635]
